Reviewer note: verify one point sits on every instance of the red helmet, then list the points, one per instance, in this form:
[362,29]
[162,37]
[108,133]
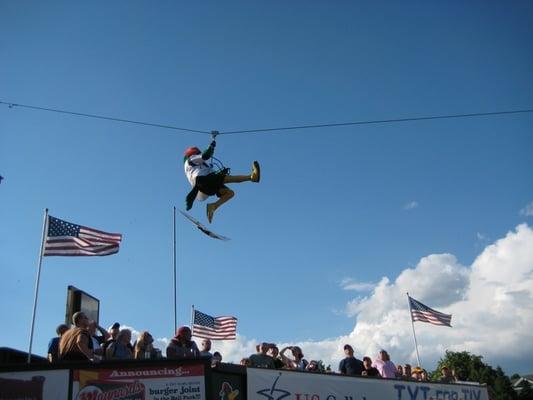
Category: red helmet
[191,151]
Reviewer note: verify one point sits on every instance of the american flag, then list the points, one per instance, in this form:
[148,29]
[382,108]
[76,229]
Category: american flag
[66,239]
[215,328]
[421,312]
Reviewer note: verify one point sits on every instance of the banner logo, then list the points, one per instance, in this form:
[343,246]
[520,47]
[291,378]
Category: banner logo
[269,393]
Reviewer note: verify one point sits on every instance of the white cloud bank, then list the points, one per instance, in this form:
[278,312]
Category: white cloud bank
[491,302]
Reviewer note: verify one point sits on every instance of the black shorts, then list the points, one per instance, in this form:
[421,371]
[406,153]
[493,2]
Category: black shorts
[211,184]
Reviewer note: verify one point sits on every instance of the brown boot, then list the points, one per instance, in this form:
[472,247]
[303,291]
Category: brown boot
[256,172]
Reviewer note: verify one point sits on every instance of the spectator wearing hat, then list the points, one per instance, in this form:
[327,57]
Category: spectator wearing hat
[350,365]
[181,346]
[53,345]
[114,330]
[416,374]
[112,338]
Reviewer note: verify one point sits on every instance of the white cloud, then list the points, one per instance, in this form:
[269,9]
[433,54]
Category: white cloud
[491,302]
[438,277]
[350,284]
[411,205]
[527,211]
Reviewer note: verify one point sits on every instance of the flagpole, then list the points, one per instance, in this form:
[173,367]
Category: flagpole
[175,275]
[192,320]
[45,224]
[413,326]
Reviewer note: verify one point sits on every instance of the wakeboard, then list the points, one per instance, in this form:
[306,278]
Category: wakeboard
[203,228]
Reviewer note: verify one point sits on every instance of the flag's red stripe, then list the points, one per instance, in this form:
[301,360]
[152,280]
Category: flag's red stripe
[81,253]
[59,239]
[96,232]
[432,317]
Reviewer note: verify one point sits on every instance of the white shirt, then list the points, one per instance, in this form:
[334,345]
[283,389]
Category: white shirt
[196,166]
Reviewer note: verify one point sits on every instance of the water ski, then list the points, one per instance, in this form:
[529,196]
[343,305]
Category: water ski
[203,228]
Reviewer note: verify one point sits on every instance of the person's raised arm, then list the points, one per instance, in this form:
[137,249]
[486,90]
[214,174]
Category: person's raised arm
[208,153]
[286,360]
[105,334]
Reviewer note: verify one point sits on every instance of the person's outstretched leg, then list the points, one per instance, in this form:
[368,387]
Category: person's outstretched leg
[225,195]
[254,176]
[237,178]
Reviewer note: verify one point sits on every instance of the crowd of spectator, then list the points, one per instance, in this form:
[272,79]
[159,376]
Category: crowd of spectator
[268,356]
[82,342]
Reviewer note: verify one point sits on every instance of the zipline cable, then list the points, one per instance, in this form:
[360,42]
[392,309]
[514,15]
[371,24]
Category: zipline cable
[11,105]
[263,130]
[380,121]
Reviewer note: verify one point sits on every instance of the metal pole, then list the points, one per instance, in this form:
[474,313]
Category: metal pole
[175,276]
[45,225]
[192,320]
[413,326]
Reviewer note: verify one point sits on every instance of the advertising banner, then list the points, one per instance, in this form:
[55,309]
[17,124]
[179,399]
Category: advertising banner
[227,386]
[186,382]
[37,385]
[276,385]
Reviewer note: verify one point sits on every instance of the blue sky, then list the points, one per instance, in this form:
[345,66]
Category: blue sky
[335,205]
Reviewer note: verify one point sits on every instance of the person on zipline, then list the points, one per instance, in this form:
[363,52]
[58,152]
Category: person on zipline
[206,182]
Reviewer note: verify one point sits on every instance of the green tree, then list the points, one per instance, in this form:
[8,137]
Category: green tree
[502,386]
[470,367]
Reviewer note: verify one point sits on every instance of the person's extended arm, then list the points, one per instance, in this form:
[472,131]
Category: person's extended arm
[208,153]
[286,360]
[105,334]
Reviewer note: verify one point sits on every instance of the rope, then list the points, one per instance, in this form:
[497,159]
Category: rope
[380,121]
[276,129]
[11,105]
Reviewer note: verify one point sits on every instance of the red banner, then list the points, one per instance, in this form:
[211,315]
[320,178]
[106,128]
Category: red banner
[149,383]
